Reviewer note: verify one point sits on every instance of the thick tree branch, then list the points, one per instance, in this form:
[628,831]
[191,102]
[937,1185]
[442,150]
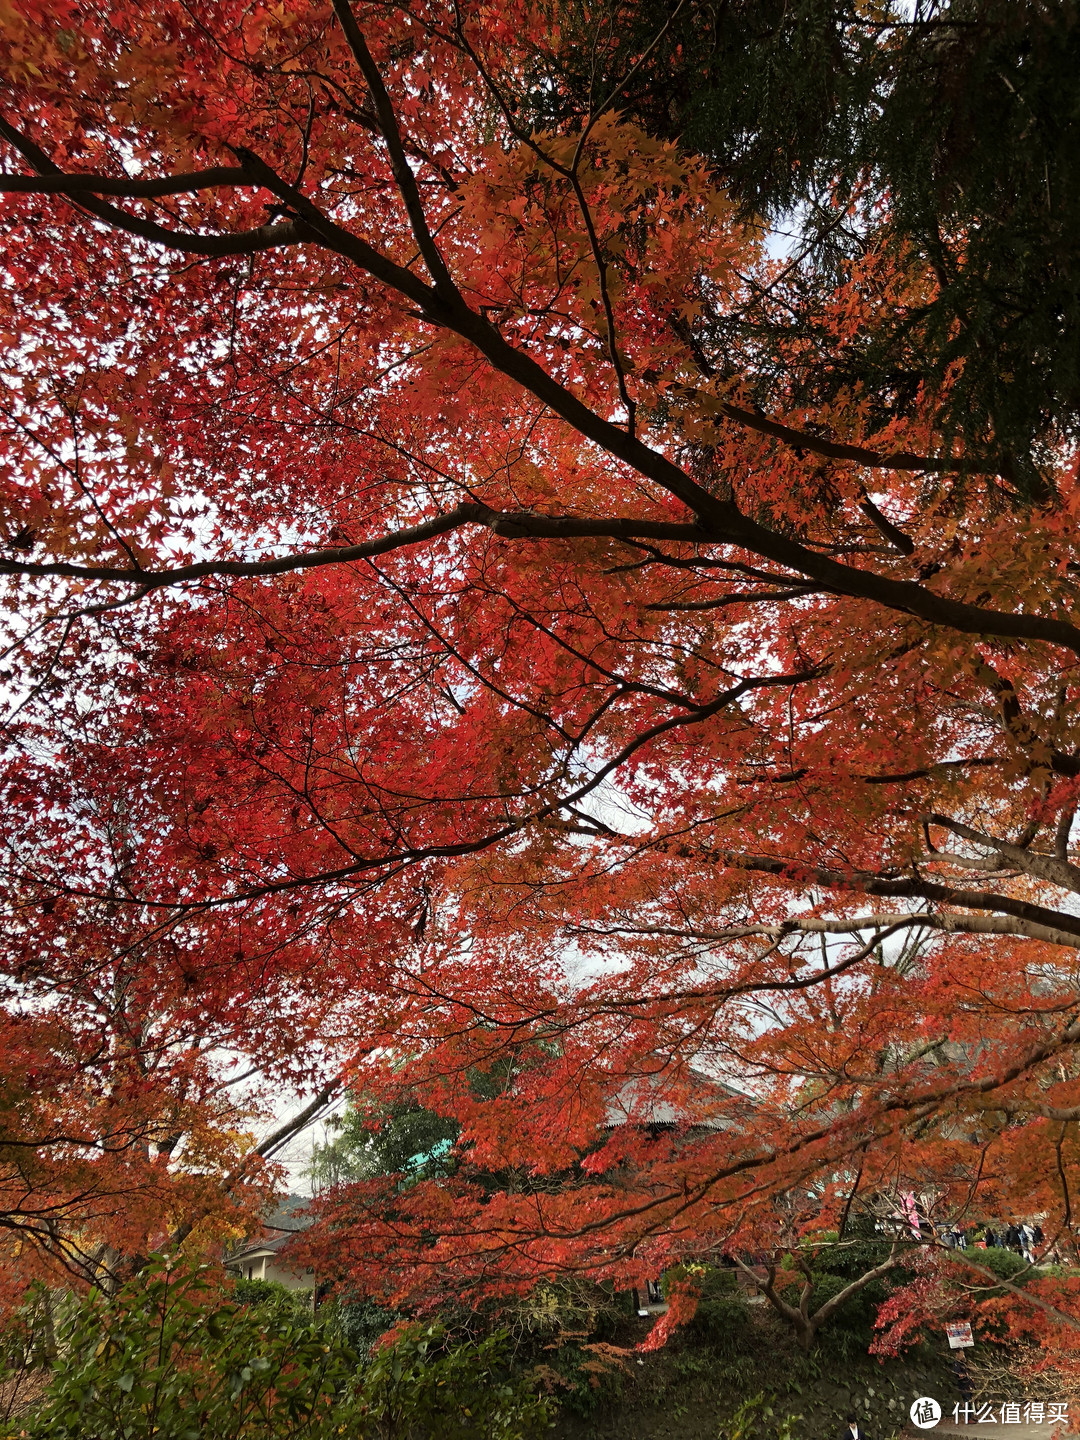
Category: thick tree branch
[805,1324]
[245,242]
[996,1282]
[1055,869]
[128,186]
[516,525]
[885,527]
[1039,922]
[830,1307]
[884,921]
[264,1150]
[721,521]
[391,134]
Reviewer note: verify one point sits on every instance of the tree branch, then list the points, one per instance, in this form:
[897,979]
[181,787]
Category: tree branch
[266,1147]
[830,1307]
[516,525]
[67,184]
[399,165]
[721,520]
[1039,923]
[1052,868]
[873,459]
[246,242]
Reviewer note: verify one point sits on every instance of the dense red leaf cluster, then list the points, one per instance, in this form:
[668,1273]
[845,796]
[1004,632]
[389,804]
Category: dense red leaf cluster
[430,659]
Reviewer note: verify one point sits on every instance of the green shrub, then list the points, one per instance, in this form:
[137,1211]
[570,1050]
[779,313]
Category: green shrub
[420,1387]
[174,1357]
[756,1418]
[861,1249]
[614,1315]
[1002,1263]
[723,1323]
[1005,1264]
[711,1281]
[850,1331]
[269,1295]
[585,1381]
[562,1312]
[1058,1272]
[170,1357]
[722,1318]
[363,1323]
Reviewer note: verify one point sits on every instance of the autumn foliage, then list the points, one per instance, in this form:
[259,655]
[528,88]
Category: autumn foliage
[435,655]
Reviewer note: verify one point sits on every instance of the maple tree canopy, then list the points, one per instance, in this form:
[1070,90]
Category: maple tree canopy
[441,646]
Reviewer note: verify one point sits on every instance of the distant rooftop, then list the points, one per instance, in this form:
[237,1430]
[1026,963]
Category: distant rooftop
[688,1098]
[278,1228]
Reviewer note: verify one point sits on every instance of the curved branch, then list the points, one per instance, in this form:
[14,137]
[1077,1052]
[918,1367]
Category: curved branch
[950,924]
[895,536]
[873,459]
[1052,868]
[1038,921]
[245,242]
[830,1307]
[393,861]
[399,165]
[267,1147]
[998,1283]
[720,520]
[132,188]
[516,525]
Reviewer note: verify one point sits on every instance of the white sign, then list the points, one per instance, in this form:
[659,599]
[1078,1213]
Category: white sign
[960,1337]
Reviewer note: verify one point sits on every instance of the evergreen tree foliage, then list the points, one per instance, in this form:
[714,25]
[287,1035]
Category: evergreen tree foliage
[949,131]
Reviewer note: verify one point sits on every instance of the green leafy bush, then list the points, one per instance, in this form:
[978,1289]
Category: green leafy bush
[861,1249]
[757,1419]
[171,1358]
[710,1281]
[363,1323]
[566,1309]
[1002,1263]
[850,1331]
[723,1323]
[722,1318]
[174,1357]
[1005,1264]
[269,1295]
[586,1378]
[419,1387]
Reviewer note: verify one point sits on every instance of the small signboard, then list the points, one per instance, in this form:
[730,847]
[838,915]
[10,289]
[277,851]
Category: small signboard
[960,1337]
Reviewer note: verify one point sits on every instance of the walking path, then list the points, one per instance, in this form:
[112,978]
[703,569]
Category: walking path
[992,1432]
[948,1428]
